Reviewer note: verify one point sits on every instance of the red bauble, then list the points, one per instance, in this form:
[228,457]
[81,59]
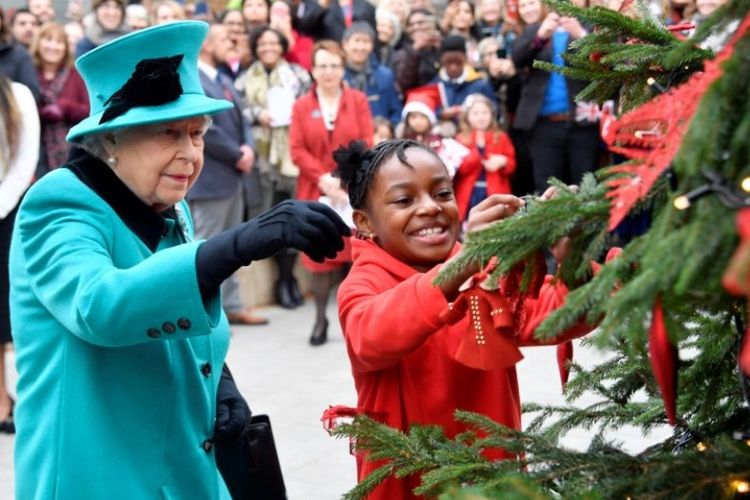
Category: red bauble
[664,360]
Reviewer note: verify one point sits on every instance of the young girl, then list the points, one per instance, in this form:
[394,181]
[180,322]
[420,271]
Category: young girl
[489,166]
[402,353]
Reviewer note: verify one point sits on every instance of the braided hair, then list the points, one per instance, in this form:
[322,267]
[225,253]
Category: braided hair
[356,165]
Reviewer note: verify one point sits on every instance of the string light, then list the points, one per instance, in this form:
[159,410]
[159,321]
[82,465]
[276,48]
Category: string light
[741,486]
[745,184]
[682,202]
[701,446]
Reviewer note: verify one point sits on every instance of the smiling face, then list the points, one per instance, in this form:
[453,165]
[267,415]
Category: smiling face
[412,212]
[357,48]
[328,70]
[479,116]
[530,11]
[464,18]
[269,49]
[110,15]
[160,162]
[53,48]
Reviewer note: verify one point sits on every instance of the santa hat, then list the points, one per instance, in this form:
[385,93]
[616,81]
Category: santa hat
[425,100]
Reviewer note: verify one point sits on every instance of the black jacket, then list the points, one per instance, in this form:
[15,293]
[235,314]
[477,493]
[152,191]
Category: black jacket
[16,64]
[328,23]
[526,50]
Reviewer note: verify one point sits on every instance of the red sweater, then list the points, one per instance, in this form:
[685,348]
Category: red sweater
[402,353]
[312,146]
[496,143]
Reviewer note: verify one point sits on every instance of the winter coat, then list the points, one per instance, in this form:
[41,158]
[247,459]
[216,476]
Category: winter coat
[402,354]
[17,65]
[378,83]
[498,182]
[118,354]
[456,92]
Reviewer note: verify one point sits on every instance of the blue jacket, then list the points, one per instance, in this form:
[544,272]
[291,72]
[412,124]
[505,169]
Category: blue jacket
[456,93]
[378,82]
[113,341]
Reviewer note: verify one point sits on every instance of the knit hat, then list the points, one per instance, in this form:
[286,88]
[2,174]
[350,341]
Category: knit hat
[453,43]
[359,27]
[423,100]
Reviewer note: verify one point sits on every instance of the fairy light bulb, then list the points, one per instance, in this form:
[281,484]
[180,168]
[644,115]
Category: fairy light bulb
[682,202]
[745,184]
[741,486]
[701,446]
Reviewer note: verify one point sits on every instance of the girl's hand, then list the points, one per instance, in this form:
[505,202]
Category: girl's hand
[548,26]
[495,163]
[494,208]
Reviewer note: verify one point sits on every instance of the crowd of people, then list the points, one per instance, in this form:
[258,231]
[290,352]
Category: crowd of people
[287,83]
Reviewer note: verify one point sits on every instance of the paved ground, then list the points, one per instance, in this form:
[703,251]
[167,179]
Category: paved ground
[281,375]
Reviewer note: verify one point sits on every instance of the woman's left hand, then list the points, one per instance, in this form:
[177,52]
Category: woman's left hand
[495,163]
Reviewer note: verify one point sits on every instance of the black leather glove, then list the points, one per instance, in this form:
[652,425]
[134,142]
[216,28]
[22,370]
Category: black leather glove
[232,412]
[308,226]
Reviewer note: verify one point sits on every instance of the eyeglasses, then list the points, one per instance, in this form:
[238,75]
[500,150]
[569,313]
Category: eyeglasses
[329,67]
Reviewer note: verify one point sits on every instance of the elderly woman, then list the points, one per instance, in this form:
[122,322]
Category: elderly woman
[329,116]
[269,88]
[119,330]
[64,101]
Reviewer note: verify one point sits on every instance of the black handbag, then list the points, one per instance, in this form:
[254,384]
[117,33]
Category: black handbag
[250,465]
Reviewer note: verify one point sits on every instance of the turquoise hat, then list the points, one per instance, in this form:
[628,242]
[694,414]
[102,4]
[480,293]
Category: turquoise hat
[148,76]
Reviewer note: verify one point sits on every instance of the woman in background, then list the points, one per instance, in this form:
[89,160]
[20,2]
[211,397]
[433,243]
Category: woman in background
[329,116]
[19,153]
[64,100]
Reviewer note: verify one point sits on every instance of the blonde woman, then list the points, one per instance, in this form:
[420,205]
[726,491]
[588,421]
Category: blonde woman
[19,152]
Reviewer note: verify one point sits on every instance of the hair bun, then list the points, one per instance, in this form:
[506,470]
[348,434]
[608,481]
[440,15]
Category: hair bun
[350,161]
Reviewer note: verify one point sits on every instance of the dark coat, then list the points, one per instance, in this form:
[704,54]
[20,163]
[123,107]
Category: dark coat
[526,50]
[329,24]
[16,64]
[414,68]
[380,87]
[229,131]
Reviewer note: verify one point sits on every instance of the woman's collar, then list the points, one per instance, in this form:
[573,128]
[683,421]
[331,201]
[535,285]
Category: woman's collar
[147,224]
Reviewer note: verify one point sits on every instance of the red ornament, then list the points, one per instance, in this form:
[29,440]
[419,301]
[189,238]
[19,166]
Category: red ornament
[736,279]
[652,134]
[663,354]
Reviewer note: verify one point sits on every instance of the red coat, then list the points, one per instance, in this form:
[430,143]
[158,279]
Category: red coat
[402,354]
[496,142]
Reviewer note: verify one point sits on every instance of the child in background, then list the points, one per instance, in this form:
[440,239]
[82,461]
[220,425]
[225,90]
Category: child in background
[419,124]
[490,164]
[401,351]
[383,130]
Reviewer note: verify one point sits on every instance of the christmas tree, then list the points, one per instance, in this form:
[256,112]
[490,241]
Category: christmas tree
[671,309]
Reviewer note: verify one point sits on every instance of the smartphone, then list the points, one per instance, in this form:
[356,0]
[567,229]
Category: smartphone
[501,53]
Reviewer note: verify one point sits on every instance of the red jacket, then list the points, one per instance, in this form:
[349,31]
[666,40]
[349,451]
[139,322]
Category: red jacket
[312,146]
[496,142]
[402,354]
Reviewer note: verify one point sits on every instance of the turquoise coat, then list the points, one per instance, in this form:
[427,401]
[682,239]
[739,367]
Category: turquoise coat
[118,356]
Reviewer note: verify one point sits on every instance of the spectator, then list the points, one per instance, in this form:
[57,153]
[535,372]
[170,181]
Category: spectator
[327,19]
[390,31]
[238,60]
[136,16]
[166,11]
[417,62]
[562,143]
[398,7]
[19,151]
[15,61]
[74,32]
[300,46]
[216,198]
[106,23]
[269,88]
[459,20]
[24,26]
[64,101]
[43,10]
[383,130]
[329,116]
[458,78]
[490,165]
[256,13]
[365,74]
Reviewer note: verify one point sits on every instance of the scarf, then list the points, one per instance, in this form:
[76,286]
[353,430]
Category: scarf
[272,142]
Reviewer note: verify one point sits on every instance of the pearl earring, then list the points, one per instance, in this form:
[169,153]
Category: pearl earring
[112,160]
